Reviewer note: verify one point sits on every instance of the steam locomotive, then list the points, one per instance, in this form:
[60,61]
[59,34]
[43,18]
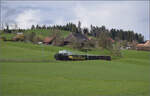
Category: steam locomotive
[66,55]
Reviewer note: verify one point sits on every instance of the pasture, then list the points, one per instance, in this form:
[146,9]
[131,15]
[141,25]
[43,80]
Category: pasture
[126,76]
[41,32]
[47,32]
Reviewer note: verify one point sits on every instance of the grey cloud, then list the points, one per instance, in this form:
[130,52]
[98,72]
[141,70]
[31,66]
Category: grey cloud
[127,15]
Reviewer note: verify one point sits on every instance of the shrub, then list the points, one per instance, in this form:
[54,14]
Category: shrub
[104,41]
[76,44]
[3,38]
[30,36]
[19,37]
[91,43]
[38,38]
[59,40]
[116,51]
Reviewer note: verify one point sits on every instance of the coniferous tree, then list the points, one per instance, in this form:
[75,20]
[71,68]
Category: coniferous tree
[32,27]
[85,31]
[79,27]
[43,27]
[37,26]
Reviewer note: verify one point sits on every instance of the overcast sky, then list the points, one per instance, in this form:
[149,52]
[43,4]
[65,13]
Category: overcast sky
[127,15]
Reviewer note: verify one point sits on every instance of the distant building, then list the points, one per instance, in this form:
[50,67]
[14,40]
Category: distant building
[145,46]
[40,42]
[75,36]
[110,39]
[48,40]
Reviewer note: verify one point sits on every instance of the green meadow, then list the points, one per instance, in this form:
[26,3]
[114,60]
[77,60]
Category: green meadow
[30,70]
[47,32]
[41,32]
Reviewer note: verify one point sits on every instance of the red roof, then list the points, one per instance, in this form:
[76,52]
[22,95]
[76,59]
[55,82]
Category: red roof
[48,39]
[111,40]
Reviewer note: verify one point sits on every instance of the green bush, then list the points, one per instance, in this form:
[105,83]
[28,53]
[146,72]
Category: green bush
[3,38]
[38,38]
[116,51]
[104,41]
[19,37]
[30,36]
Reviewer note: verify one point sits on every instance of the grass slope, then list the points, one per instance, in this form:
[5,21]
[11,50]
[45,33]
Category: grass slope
[28,51]
[42,32]
[127,76]
[47,32]
[8,36]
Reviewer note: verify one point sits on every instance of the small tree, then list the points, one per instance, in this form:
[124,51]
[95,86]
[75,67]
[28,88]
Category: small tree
[58,39]
[3,38]
[104,40]
[30,36]
[79,27]
[134,43]
[116,51]
[19,37]
[124,43]
[7,29]
[43,27]
[85,31]
[92,43]
[77,45]
[32,27]
[37,26]
[38,38]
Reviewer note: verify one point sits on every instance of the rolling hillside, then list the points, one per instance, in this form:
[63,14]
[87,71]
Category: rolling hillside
[126,76]
[19,51]
[47,32]
[42,32]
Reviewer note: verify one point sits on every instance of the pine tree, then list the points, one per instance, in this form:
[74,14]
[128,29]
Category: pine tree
[37,26]
[32,27]
[79,27]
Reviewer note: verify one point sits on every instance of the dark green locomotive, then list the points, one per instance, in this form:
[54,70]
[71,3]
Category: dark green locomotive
[66,55]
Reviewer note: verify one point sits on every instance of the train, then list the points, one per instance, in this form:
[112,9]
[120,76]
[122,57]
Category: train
[65,55]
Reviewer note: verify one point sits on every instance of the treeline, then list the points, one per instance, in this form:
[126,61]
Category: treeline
[8,30]
[95,31]
[117,34]
[68,27]
[126,35]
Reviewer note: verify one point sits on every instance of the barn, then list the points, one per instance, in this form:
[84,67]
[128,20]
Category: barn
[75,36]
[48,40]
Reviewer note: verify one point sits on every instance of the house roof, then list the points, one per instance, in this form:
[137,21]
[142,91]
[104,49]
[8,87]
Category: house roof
[111,39]
[69,37]
[146,44]
[48,39]
[78,36]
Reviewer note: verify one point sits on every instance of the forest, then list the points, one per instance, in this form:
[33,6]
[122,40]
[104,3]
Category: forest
[95,31]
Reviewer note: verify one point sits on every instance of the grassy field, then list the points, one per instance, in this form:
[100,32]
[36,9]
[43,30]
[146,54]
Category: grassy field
[48,32]
[8,36]
[126,76]
[27,51]
[42,32]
